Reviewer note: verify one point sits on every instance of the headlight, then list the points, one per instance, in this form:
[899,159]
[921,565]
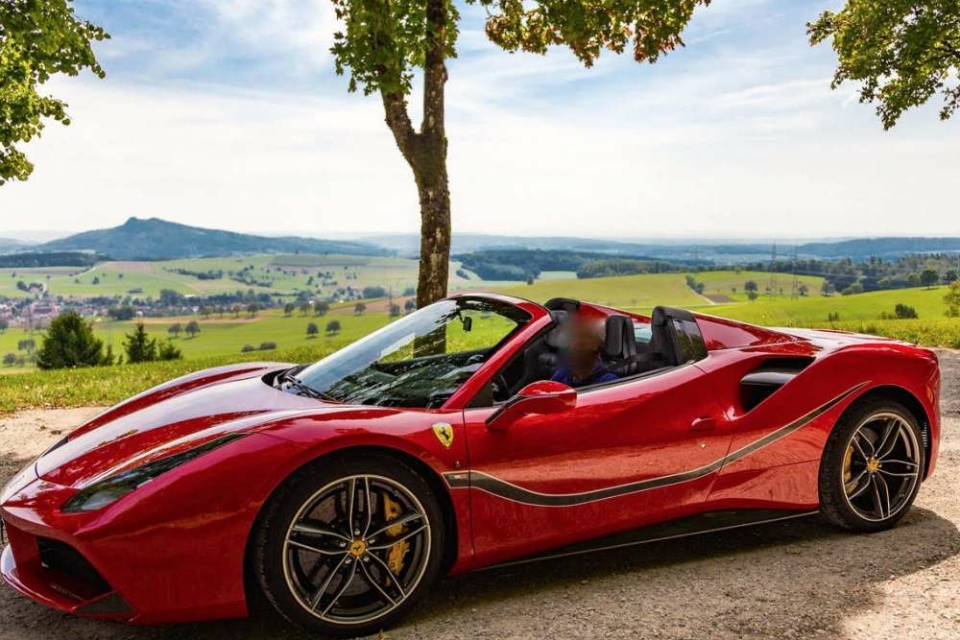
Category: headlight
[108,491]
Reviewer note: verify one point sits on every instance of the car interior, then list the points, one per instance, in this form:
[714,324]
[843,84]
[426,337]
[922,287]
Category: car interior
[631,348]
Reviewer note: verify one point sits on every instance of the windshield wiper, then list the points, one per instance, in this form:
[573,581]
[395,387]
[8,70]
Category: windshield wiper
[288,377]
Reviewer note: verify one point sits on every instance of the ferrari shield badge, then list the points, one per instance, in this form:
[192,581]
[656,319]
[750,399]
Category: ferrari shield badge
[444,433]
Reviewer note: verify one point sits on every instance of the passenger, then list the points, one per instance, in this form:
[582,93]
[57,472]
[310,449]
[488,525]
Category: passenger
[580,362]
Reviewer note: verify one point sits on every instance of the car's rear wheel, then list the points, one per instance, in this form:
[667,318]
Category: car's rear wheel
[349,545]
[872,466]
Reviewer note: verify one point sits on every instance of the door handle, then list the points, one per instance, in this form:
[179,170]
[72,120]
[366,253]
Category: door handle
[703,424]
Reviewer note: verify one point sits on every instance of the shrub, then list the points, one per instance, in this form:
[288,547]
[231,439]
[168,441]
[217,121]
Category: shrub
[166,351]
[247,348]
[333,327]
[268,346]
[139,346]
[70,342]
[903,311]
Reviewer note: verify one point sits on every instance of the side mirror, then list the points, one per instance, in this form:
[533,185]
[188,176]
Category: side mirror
[544,397]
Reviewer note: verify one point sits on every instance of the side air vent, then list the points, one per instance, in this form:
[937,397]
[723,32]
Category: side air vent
[768,378]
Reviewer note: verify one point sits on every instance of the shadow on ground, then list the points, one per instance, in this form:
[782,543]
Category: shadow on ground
[798,578]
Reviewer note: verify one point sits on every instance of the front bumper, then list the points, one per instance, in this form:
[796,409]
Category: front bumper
[55,574]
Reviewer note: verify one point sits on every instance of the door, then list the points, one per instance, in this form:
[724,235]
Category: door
[628,454]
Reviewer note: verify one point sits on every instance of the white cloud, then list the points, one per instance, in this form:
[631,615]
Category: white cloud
[742,139]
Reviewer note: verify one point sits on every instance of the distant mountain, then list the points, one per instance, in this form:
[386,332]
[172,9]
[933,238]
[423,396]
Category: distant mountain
[9,245]
[880,247]
[719,252]
[155,239]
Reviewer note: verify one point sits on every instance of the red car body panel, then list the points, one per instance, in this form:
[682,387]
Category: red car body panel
[638,452]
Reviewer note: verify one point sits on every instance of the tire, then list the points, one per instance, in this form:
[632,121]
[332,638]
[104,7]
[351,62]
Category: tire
[867,482]
[302,559]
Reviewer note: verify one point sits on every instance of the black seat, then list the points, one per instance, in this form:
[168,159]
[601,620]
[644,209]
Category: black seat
[548,357]
[620,347]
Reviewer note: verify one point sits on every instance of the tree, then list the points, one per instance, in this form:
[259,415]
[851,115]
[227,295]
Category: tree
[803,289]
[394,310]
[903,52]
[952,299]
[175,329]
[10,359]
[904,311]
[70,342]
[359,308]
[320,308]
[38,40]
[750,286]
[827,288]
[333,327]
[288,309]
[384,43]
[193,328]
[312,330]
[929,277]
[27,344]
[4,325]
[140,347]
[752,295]
[409,305]
[950,276]
[166,351]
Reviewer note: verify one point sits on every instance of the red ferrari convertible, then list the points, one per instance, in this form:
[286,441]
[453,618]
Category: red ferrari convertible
[454,439]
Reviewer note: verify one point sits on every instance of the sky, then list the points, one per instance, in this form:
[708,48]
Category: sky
[228,114]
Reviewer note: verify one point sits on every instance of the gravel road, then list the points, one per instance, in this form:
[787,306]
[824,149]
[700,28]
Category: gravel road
[791,580]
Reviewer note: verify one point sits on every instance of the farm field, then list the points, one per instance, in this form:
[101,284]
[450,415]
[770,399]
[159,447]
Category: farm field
[283,275]
[225,336]
[645,291]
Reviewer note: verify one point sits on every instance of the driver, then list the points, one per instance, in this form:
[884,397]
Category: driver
[580,362]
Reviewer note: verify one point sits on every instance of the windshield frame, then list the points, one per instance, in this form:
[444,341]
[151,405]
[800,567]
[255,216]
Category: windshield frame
[515,310]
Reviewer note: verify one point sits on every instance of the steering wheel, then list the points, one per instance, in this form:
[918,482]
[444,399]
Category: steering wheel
[501,387]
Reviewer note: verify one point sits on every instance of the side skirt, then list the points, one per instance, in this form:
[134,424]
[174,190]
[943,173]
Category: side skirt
[673,529]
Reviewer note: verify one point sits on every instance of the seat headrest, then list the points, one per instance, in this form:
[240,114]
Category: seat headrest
[620,340]
[562,304]
[553,336]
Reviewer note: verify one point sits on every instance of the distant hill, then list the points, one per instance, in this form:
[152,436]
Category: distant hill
[155,239]
[9,245]
[880,247]
[719,252]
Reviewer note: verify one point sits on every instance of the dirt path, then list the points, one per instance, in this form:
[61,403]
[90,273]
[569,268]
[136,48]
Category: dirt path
[789,580]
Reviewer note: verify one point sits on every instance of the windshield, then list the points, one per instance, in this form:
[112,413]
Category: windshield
[419,360]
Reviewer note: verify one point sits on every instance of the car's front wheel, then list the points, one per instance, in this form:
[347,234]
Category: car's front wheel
[349,545]
[872,466]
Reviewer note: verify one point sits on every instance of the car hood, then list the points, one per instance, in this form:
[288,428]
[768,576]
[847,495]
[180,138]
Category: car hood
[168,418]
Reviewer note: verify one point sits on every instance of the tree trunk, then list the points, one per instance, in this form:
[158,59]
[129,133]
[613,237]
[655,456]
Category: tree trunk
[434,226]
[426,153]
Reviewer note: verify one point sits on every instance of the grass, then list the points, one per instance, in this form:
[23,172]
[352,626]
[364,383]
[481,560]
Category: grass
[731,283]
[108,385]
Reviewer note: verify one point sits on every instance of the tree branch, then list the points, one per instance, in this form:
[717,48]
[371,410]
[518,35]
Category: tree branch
[395,108]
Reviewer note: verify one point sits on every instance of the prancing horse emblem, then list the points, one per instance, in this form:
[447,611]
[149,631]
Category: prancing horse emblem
[444,433]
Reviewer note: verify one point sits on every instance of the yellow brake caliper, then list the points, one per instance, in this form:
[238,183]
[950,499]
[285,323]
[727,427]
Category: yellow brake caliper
[847,473]
[392,510]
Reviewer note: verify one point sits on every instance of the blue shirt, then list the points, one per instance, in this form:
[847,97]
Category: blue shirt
[598,376]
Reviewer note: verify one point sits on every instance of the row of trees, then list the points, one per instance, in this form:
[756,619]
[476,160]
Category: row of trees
[70,342]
